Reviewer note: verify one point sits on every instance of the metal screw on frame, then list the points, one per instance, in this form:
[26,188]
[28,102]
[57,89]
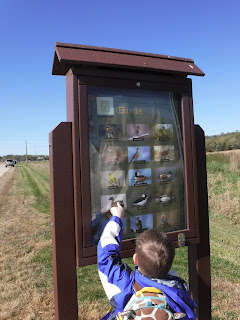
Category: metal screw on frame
[181,240]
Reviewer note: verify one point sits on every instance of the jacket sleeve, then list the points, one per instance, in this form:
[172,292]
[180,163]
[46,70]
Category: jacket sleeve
[116,276]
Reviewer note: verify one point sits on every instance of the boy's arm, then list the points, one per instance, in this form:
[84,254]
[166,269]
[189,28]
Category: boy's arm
[116,276]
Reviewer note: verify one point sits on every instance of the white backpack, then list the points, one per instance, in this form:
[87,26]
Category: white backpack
[148,303]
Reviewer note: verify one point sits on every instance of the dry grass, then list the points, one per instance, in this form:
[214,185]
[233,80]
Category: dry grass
[21,234]
[232,156]
[225,300]
[91,311]
[224,185]
[224,203]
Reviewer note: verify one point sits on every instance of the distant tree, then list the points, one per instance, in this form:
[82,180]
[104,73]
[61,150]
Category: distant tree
[222,142]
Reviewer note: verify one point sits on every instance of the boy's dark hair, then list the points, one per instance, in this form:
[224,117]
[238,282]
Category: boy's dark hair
[155,253]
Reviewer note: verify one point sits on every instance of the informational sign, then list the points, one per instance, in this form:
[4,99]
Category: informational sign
[130,138]
[136,158]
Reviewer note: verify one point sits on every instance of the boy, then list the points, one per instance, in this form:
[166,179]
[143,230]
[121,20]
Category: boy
[154,255]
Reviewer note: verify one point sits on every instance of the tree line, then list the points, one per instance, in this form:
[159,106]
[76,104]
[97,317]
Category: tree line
[223,142]
[19,158]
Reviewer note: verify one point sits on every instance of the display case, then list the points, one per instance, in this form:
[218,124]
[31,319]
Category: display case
[136,158]
[133,142]
[136,148]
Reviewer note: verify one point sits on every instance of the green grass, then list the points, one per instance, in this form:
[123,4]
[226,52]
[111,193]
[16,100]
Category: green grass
[43,260]
[35,182]
[218,158]
[180,263]
[225,251]
[223,185]
[89,285]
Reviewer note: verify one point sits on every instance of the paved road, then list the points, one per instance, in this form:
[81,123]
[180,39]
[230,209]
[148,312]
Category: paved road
[3,169]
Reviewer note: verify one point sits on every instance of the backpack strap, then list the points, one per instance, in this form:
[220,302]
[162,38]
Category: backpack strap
[149,289]
[139,289]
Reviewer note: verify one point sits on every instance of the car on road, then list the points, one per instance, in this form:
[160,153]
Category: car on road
[9,163]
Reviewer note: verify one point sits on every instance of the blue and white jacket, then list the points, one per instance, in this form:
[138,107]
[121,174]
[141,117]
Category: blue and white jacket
[118,278]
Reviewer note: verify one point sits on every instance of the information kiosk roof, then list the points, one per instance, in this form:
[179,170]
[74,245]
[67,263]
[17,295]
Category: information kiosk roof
[68,55]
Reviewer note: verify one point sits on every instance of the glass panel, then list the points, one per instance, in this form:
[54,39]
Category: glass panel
[136,158]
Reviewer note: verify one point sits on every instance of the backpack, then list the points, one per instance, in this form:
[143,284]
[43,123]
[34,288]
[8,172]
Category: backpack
[148,303]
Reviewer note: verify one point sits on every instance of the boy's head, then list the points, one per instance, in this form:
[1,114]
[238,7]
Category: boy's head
[154,254]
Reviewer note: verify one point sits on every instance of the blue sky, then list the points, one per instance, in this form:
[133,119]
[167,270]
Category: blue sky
[33,102]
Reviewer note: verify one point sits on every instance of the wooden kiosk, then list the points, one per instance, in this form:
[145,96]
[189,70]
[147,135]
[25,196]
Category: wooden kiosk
[129,137]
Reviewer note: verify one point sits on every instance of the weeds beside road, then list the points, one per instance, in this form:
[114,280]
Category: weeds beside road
[25,290]
[26,283]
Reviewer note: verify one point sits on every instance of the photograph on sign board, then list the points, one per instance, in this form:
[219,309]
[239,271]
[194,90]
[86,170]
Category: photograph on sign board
[163,132]
[112,154]
[163,153]
[167,220]
[165,175]
[141,223]
[139,154]
[140,201]
[140,177]
[110,132]
[137,132]
[110,200]
[112,179]
[164,199]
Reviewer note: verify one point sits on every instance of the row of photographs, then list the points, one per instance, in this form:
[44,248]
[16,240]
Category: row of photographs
[139,201]
[140,223]
[135,132]
[137,154]
[166,221]
[137,178]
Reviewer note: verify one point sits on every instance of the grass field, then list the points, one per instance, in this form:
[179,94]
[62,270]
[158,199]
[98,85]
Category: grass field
[224,195]
[26,284]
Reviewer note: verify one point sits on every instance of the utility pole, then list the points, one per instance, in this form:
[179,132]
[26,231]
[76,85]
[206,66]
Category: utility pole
[26,150]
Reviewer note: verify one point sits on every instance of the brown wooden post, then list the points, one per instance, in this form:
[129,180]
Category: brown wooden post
[199,255]
[73,114]
[62,221]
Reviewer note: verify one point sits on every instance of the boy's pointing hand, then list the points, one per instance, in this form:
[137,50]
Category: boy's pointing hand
[117,211]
